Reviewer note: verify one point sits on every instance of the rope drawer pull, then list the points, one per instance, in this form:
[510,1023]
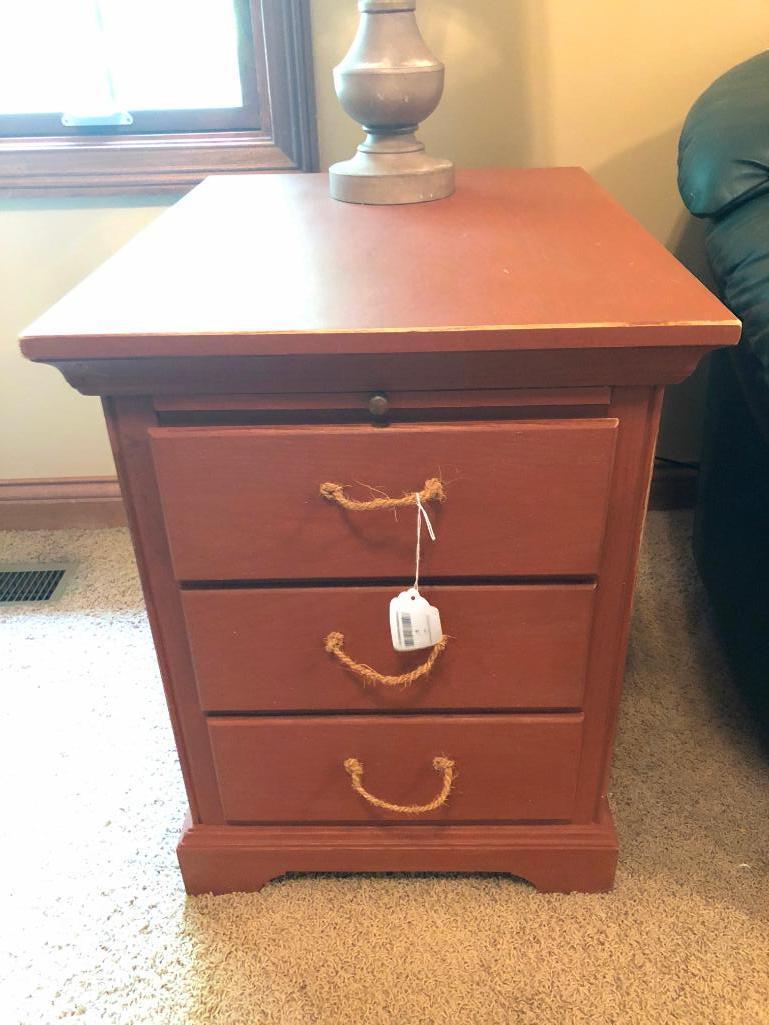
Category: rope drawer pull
[432,492]
[334,646]
[445,765]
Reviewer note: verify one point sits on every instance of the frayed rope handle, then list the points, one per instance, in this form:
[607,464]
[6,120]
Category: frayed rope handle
[334,646]
[441,764]
[432,492]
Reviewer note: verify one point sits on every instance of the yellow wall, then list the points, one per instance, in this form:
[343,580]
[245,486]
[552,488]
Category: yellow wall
[46,247]
[602,83]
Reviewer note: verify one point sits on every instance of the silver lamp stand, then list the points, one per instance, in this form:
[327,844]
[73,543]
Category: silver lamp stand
[389,82]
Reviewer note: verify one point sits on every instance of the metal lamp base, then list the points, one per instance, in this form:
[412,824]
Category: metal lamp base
[389,82]
[391,178]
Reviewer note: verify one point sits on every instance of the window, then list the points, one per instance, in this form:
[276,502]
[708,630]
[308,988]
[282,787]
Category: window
[137,94]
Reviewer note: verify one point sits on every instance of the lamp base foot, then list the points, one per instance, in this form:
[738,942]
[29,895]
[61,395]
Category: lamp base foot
[390,179]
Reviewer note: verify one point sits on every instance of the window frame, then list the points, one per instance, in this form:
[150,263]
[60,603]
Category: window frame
[88,161]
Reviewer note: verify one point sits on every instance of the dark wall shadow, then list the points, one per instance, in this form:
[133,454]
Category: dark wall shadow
[644,180]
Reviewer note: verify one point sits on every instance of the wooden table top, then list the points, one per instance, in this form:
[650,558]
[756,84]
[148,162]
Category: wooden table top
[270,264]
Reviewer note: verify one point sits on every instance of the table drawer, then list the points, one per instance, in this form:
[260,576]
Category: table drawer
[522,499]
[510,647]
[506,768]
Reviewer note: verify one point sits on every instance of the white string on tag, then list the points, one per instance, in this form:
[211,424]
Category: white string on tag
[421,511]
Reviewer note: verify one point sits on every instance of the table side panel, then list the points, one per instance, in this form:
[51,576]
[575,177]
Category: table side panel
[128,420]
[638,411]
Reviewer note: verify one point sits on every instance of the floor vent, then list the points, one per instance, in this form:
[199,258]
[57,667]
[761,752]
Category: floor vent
[31,583]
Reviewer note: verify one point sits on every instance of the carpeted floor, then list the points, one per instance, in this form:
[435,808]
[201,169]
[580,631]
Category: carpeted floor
[97,928]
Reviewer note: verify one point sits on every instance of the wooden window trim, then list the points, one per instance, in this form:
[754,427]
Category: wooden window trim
[119,163]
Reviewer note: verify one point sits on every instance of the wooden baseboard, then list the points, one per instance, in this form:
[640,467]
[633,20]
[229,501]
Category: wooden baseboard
[57,503]
[91,502]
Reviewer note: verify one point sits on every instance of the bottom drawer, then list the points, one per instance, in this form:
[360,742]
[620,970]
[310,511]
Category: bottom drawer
[506,768]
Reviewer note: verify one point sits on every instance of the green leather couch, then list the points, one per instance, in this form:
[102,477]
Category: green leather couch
[724,177]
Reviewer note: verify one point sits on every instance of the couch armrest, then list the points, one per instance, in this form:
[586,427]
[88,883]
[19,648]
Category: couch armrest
[723,154]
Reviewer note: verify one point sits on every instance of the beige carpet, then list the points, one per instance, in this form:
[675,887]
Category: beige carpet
[97,928]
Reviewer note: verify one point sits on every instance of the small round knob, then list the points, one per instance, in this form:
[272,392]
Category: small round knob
[378,406]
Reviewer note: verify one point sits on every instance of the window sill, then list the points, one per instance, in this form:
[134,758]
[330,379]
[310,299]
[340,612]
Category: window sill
[67,166]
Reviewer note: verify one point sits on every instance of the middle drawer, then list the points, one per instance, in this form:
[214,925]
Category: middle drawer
[510,647]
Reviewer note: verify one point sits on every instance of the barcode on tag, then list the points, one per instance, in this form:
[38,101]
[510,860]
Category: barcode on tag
[406,632]
[414,622]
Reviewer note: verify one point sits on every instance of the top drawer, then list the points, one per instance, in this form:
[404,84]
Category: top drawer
[522,499]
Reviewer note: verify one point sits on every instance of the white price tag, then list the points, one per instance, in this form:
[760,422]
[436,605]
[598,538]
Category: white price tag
[414,622]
